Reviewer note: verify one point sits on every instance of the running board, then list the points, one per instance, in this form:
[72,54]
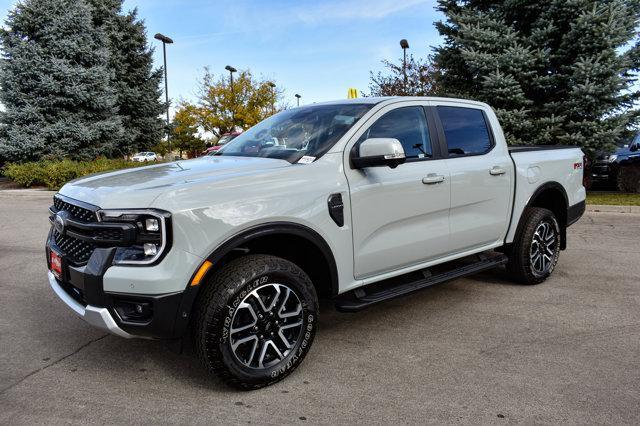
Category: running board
[366,296]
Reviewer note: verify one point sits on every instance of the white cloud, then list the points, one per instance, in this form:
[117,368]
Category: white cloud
[354,9]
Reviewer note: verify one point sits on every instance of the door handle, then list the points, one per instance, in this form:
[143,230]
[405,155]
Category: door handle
[497,171]
[432,178]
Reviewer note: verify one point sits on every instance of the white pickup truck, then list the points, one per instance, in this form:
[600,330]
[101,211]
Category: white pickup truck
[360,201]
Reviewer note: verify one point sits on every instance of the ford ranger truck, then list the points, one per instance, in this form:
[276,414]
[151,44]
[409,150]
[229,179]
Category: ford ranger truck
[361,201]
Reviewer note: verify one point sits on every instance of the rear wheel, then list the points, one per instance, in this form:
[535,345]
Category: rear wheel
[255,321]
[536,248]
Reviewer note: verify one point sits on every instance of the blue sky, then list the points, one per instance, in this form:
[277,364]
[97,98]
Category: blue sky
[316,48]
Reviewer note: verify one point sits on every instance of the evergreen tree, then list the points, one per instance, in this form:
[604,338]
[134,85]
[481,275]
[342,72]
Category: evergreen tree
[420,79]
[556,71]
[137,84]
[56,84]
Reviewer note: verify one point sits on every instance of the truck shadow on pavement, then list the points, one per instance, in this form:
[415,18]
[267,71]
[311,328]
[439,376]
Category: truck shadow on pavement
[363,333]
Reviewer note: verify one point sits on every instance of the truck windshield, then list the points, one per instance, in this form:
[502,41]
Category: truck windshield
[308,131]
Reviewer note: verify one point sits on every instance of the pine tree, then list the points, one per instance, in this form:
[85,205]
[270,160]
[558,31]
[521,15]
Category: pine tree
[137,84]
[556,71]
[55,84]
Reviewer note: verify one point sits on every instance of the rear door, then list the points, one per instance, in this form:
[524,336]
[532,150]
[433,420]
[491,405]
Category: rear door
[400,216]
[482,176]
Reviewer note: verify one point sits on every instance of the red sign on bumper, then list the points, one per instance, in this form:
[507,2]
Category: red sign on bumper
[56,264]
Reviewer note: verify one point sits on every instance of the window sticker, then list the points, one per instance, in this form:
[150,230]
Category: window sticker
[307,159]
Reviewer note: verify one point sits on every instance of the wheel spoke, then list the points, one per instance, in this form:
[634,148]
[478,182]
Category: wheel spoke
[235,345]
[286,327]
[263,353]
[273,303]
[283,314]
[248,307]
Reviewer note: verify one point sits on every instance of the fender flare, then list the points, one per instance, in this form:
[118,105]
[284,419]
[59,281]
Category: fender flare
[272,228]
[563,221]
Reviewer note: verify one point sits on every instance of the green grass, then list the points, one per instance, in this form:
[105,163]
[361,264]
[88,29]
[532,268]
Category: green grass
[613,199]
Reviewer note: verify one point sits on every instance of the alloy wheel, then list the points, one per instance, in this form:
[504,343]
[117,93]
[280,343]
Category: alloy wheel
[543,248]
[265,326]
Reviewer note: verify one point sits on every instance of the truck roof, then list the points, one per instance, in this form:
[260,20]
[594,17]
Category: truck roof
[381,99]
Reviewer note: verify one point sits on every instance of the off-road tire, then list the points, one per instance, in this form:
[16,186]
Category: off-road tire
[520,266]
[220,299]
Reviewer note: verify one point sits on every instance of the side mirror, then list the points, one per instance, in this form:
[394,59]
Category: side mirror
[376,152]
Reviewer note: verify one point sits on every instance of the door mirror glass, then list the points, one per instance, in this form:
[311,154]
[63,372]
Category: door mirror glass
[376,152]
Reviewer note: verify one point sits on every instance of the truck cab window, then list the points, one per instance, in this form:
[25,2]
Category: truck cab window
[409,126]
[465,131]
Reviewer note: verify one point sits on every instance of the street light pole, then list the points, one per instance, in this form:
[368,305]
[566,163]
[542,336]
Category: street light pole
[298,98]
[273,96]
[233,96]
[405,45]
[165,40]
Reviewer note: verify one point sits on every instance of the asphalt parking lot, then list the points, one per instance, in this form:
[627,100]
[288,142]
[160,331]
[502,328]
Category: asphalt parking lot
[476,350]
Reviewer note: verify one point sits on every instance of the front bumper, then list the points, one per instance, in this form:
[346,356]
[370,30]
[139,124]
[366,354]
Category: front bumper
[96,316]
[106,305]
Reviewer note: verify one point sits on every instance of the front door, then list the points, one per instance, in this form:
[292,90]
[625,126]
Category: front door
[400,216]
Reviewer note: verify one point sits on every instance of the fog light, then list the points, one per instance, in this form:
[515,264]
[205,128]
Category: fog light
[151,225]
[150,249]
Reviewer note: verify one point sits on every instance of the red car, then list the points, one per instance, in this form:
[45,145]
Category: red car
[224,139]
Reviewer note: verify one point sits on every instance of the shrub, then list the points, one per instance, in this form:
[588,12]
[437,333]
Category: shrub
[54,174]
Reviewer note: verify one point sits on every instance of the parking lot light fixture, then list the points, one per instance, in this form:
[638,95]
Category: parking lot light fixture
[404,44]
[272,85]
[165,40]
[233,94]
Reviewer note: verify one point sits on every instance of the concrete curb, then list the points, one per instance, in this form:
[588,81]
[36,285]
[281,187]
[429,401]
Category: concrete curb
[598,208]
[25,192]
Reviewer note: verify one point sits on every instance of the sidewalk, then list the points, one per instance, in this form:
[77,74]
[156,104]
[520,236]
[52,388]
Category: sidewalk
[598,208]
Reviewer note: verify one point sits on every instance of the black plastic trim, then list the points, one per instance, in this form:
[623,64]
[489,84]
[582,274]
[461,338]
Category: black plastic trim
[563,224]
[392,288]
[162,322]
[575,212]
[527,148]
[336,208]
[183,315]
[78,203]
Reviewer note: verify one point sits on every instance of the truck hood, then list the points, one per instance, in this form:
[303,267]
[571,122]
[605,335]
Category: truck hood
[139,187]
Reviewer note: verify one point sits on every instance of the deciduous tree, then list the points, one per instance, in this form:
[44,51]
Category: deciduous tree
[184,132]
[420,79]
[221,108]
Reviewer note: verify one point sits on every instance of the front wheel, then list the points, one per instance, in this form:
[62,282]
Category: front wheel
[536,248]
[255,321]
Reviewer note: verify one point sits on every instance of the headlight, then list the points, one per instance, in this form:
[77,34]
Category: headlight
[152,235]
[613,157]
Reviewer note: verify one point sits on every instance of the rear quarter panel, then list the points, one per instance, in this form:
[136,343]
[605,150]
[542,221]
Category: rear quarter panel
[537,168]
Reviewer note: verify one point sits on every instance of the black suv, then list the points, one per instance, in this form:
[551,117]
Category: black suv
[608,166]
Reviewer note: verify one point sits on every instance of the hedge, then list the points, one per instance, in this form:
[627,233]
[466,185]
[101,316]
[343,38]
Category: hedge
[54,174]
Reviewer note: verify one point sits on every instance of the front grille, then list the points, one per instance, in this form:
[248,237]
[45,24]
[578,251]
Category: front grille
[108,234]
[77,251]
[77,212]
